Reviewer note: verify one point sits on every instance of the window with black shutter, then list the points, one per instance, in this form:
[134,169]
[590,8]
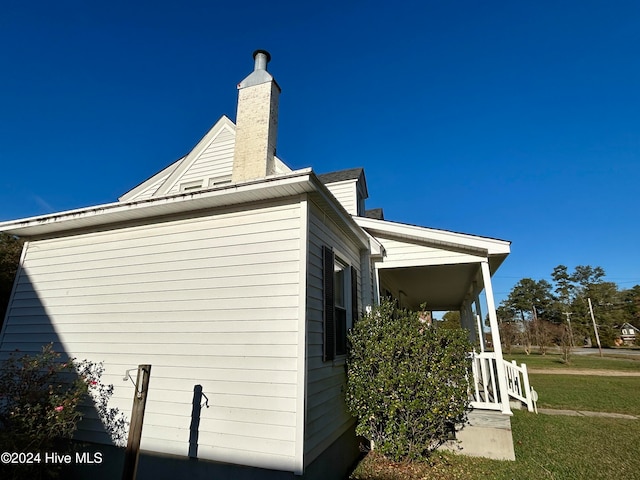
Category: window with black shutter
[355,314]
[329,329]
[340,284]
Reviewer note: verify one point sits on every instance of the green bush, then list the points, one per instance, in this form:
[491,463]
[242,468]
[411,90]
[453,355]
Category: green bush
[407,382]
[42,399]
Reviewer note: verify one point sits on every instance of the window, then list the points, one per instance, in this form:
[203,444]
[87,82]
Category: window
[340,306]
[340,291]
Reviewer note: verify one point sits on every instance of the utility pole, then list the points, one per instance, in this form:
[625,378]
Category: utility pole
[536,327]
[595,326]
[568,314]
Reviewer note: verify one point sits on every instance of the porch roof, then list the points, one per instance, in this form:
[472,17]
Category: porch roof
[437,267]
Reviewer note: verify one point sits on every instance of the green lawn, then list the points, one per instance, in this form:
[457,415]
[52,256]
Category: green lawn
[547,446]
[581,392]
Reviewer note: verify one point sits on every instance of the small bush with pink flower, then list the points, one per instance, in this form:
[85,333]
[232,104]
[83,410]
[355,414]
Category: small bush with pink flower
[41,400]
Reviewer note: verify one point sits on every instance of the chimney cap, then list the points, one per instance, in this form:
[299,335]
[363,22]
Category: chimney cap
[264,52]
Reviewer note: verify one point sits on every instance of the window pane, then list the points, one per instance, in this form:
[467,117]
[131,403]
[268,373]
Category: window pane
[338,285]
[341,331]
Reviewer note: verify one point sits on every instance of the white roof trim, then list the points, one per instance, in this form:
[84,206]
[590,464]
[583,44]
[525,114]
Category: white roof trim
[161,175]
[271,187]
[375,247]
[446,239]
[298,182]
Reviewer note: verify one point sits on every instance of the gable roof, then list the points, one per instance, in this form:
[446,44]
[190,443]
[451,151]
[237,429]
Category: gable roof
[208,163]
[628,325]
[341,175]
[348,175]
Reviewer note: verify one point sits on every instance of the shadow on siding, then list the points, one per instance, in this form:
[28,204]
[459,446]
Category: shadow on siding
[28,327]
[26,330]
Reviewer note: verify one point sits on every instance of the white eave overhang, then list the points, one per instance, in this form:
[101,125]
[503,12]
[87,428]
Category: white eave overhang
[490,248]
[100,216]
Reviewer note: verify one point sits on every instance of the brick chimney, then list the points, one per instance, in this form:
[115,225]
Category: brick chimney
[256,122]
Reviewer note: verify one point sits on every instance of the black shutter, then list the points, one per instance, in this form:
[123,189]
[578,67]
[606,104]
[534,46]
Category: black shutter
[329,323]
[355,313]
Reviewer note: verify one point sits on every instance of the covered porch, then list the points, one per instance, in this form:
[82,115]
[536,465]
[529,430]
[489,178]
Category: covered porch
[436,270]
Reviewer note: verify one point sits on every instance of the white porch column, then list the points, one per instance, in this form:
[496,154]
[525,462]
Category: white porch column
[376,284]
[495,336]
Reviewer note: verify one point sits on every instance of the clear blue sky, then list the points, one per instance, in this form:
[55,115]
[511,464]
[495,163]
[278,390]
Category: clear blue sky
[515,120]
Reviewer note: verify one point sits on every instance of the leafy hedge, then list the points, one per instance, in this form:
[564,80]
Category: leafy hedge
[407,382]
[42,399]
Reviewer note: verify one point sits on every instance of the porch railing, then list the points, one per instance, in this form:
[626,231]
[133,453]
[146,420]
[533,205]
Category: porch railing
[518,383]
[485,385]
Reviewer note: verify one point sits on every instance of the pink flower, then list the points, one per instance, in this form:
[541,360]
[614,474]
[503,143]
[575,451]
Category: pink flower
[59,408]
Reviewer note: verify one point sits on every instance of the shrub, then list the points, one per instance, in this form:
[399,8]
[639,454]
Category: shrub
[41,399]
[407,382]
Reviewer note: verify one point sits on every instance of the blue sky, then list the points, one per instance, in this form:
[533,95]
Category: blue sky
[514,120]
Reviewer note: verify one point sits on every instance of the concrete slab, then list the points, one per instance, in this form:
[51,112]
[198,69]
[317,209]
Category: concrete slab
[487,434]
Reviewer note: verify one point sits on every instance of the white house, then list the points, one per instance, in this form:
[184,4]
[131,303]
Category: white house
[629,334]
[229,271]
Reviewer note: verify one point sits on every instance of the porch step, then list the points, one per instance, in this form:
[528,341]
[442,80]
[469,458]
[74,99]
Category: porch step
[487,434]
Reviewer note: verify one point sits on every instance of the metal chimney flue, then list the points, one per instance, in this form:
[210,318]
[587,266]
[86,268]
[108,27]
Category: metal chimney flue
[261,58]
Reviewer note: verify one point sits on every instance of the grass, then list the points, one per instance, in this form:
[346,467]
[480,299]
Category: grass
[589,362]
[549,446]
[582,392]
[546,446]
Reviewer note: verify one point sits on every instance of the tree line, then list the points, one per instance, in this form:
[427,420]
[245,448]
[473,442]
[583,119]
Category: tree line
[543,313]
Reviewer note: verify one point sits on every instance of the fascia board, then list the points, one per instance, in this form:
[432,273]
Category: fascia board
[276,186]
[482,245]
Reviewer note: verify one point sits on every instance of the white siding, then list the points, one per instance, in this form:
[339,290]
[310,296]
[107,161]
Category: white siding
[214,162]
[327,417]
[345,193]
[404,254]
[211,301]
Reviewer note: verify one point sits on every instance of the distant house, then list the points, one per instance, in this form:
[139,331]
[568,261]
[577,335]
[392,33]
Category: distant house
[629,334]
[231,273]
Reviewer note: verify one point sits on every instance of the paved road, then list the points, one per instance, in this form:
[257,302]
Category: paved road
[605,351]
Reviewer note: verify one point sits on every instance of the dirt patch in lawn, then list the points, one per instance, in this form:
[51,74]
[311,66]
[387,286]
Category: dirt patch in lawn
[583,371]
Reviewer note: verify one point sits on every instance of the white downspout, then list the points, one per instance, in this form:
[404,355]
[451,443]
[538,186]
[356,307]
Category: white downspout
[495,336]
